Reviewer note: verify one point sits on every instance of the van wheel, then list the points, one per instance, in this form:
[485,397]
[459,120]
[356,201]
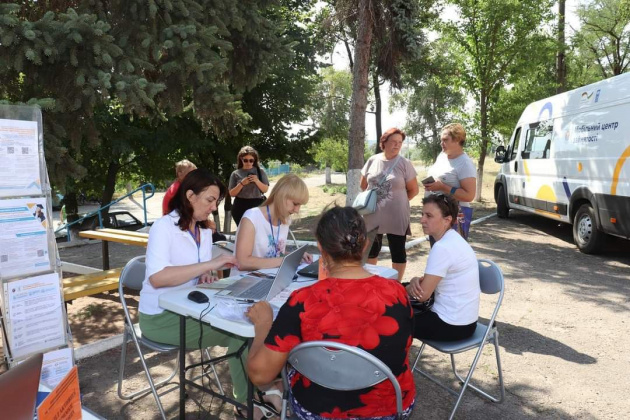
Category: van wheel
[586,236]
[503,210]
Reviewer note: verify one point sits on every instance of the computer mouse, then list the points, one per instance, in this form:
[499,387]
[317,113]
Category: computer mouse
[198,297]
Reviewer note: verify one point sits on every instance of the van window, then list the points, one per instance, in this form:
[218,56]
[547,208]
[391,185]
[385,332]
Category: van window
[513,148]
[538,140]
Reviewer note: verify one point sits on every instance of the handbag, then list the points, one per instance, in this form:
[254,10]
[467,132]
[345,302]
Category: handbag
[365,202]
[262,195]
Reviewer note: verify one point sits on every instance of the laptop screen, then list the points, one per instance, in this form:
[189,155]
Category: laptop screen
[18,389]
[286,272]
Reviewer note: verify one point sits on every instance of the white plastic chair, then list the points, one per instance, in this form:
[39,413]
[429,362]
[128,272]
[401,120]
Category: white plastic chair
[491,282]
[339,367]
[132,277]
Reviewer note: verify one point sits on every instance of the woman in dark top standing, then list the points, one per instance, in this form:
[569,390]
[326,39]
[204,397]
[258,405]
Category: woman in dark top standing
[352,306]
[248,183]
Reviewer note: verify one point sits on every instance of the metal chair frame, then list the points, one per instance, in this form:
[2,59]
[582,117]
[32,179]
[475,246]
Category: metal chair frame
[132,277]
[339,367]
[492,282]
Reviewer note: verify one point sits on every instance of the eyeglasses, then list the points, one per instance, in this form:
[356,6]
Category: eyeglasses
[248,160]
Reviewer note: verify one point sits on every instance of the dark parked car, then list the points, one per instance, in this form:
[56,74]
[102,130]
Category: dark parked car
[115,219]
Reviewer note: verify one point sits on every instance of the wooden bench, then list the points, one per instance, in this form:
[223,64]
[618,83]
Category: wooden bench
[90,284]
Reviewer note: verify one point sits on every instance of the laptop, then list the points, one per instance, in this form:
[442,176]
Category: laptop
[312,270]
[255,288]
[18,389]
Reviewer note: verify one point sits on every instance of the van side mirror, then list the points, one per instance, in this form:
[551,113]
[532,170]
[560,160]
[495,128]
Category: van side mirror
[499,156]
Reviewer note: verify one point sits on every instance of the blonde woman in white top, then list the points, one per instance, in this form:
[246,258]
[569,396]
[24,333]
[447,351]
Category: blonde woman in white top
[262,234]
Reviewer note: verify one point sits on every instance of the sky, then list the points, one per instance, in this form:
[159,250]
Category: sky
[397,117]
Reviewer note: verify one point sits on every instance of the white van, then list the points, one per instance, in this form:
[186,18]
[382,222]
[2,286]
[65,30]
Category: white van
[569,160]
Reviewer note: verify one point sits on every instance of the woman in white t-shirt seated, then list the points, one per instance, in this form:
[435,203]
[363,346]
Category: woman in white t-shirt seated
[261,237]
[451,272]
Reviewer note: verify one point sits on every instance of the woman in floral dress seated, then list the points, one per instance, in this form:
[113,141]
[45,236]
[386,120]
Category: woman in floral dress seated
[351,306]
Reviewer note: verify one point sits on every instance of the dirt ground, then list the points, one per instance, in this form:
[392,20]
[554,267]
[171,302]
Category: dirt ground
[563,325]
[564,329]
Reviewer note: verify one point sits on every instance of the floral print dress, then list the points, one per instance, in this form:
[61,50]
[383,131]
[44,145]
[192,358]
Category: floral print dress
[372,313]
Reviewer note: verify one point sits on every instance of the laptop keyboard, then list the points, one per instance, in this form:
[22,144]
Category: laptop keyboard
[258,290]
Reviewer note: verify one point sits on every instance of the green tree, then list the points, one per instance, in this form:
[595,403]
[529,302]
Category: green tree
[153,58]
[385,32]
[433,98]
[142,148]
[532,77]
[604,35]
[491,36]
[332,153]
[329,112]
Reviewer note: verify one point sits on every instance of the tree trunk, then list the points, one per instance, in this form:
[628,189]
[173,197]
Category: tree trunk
[377,111]
[561,76]
[360,73]
[483,108]
[110,187]
[328,175]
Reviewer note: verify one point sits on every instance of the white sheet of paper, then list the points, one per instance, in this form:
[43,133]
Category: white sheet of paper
[55,367]
[34,313]
[220,284]
[19,154]
[23,237]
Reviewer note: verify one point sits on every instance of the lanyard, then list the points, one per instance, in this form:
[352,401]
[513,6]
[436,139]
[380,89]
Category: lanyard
[197,238]
[275,240]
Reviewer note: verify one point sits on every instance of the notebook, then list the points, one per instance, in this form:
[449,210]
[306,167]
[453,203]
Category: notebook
[255,288]
[312,270]
[18,389]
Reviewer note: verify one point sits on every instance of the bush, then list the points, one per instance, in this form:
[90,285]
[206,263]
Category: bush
[335,189]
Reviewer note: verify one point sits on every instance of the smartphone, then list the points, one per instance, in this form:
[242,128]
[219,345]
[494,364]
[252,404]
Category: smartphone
[428,180]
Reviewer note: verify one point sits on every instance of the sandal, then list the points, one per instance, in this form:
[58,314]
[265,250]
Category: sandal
[261,411]
[273,396]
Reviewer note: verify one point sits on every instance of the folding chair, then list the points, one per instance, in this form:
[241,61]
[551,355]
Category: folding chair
[340,367]
[491,282]
[295,242]
[132,277]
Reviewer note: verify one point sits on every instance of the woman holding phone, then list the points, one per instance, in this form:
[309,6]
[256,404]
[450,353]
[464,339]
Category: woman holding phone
[248,183]
[454,173]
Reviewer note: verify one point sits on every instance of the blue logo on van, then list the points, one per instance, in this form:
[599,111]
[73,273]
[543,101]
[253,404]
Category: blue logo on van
[597,95]
[546,107]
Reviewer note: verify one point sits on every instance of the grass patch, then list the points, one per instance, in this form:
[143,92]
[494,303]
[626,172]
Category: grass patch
[91,311]
[333,189]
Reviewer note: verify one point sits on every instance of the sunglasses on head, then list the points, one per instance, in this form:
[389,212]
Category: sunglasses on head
[248,160]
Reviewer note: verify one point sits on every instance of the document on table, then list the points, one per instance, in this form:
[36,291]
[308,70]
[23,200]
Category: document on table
[55,367]
[34,314]
[220,284]
[19,154]
[24,247]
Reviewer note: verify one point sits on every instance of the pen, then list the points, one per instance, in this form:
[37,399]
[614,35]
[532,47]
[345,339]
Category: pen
[246,300]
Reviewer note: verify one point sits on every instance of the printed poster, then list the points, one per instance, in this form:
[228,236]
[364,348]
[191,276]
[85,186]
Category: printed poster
[23,237]
[64,402]
[19,154]
[55,367]
[34,314]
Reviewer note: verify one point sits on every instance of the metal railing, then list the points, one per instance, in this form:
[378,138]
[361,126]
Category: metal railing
[145,197]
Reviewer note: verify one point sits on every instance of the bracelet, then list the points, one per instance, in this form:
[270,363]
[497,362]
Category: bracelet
[453,190]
